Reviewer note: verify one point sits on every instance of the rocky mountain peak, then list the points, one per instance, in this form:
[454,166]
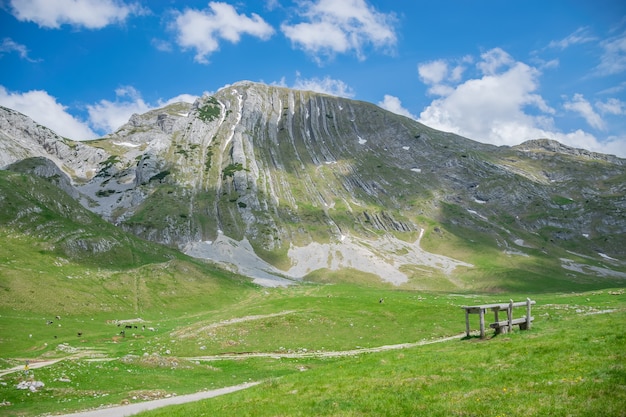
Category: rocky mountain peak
[283,183]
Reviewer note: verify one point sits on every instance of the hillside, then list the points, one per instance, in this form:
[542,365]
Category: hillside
[283,185]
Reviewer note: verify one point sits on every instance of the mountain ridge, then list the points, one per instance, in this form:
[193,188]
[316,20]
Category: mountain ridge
[287,174]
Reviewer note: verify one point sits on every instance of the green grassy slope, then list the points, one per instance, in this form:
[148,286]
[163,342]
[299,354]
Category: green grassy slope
[57,258]
[570,363]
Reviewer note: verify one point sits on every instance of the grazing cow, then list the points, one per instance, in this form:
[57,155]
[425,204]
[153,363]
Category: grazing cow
[49,322]
[382,300]
[123,333]
[58,317]
[128,326]
[79,334]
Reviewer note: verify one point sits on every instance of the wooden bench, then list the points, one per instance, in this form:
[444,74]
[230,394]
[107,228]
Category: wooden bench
[500,326]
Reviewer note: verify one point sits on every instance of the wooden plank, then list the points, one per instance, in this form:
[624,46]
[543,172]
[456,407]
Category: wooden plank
[501,306]
[505,323]
[482,324]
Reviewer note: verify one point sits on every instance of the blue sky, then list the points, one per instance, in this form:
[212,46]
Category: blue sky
[495,71]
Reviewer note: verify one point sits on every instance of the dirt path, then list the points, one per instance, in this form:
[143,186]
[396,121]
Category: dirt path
[31,365]
[322,354]
[131,409]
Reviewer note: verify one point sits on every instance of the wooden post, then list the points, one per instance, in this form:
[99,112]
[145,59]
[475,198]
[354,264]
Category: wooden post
[509,317]
[482,323]
[528,321]
[467,323]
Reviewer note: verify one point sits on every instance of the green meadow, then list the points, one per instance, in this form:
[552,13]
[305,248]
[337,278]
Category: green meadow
[120,320]
[571,363]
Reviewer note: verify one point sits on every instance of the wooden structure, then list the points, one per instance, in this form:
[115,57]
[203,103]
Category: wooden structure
[501,326]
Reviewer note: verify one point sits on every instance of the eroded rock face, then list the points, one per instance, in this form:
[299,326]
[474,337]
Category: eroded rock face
[21,138]
[280,170]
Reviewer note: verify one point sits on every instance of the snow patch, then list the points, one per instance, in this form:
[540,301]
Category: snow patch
[605,256]
[361,140]
[406,148]
[474,212]
[418,170]
[128,144]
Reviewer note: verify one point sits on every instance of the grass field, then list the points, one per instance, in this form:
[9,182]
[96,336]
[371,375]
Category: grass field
[571,363]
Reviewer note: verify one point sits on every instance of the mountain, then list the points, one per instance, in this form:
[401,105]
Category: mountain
[281,185]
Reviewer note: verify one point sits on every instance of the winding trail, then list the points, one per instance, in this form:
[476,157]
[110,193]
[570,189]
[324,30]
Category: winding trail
[131,409]
[323,354]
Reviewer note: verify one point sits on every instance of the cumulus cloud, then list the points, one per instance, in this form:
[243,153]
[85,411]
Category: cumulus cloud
[332,27]
[491,108]
[393,104]
[202,30]
[324,85]
[45,110]
[91,14]
[433,72]
[107,116]
[8,45]
[501,106]
[439,73]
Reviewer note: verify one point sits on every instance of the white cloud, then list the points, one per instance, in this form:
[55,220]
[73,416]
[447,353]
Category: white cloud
[433,72]
[202,30]
[578,104]
[439,73]
[493,60]
[45,110]
[613,60]
[161,45]
[91,14]
[9,45]
[502,107]
[324,85]
[393,104]
[612,106]
[581,35]
[491,108]
[332,27]
[187,98]
[107,116]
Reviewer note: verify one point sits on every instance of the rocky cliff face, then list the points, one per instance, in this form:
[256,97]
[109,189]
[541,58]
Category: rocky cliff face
[312,182]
